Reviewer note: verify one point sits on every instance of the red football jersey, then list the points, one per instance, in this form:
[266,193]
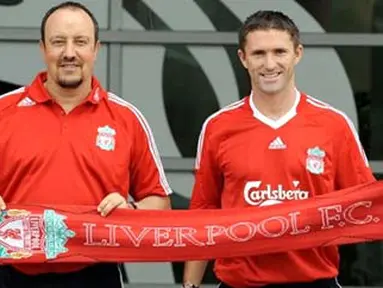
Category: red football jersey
[104,145]
[246,159]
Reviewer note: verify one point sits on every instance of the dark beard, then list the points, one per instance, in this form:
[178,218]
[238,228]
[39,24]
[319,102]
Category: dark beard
[69,84]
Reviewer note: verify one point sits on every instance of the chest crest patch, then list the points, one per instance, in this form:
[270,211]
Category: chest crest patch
[106,138]
[315,160]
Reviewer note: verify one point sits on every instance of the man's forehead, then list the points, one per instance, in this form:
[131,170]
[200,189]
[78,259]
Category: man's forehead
[268,38]
[281,35]
[71,24]
[58,33]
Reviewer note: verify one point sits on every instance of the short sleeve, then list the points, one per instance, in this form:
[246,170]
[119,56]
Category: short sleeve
[147,176]
[352,165]
[208,182]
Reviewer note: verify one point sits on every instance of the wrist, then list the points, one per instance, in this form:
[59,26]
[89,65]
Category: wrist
[132,205]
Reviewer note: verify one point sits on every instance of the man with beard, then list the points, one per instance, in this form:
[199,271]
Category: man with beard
[65,140]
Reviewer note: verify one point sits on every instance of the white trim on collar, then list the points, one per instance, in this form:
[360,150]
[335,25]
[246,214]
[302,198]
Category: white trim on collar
[281,121]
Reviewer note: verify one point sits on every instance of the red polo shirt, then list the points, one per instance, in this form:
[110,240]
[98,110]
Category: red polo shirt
[104,145]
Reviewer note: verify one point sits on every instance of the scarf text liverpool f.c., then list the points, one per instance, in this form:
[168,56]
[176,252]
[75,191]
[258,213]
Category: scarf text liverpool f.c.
[35,234]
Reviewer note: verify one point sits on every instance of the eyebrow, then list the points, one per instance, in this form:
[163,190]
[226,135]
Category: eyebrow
[64,37]
[261,51]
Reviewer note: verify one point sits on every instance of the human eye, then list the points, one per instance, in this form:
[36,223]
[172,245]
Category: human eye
[82,41]
[280,51]
[258,53]
[57,42]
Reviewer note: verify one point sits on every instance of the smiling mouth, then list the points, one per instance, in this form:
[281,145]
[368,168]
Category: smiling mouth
[69,68]
[69,65]
[270,75]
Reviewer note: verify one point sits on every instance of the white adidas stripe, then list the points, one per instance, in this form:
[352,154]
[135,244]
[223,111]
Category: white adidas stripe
[317,103]
[152,146]
[25,102]
[201,138]
[277,143]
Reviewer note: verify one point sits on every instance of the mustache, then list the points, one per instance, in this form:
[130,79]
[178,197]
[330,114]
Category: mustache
[69,61]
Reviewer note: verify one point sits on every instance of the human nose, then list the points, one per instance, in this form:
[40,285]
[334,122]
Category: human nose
[69,51]
[270,62]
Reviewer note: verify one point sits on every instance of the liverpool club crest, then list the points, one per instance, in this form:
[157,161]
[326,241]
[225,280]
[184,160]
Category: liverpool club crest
[315,160]
[105,138]
[24,234]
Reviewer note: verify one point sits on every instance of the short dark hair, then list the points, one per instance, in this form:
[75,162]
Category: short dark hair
[70,5]
[265,20]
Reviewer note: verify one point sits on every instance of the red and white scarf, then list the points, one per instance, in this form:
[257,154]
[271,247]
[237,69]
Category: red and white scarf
[52,234]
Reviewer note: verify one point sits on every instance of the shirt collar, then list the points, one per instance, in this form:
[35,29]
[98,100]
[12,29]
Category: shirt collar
[282,120]
[39,93]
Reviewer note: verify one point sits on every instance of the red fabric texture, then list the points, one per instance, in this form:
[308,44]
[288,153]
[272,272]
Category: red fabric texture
[347,216]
